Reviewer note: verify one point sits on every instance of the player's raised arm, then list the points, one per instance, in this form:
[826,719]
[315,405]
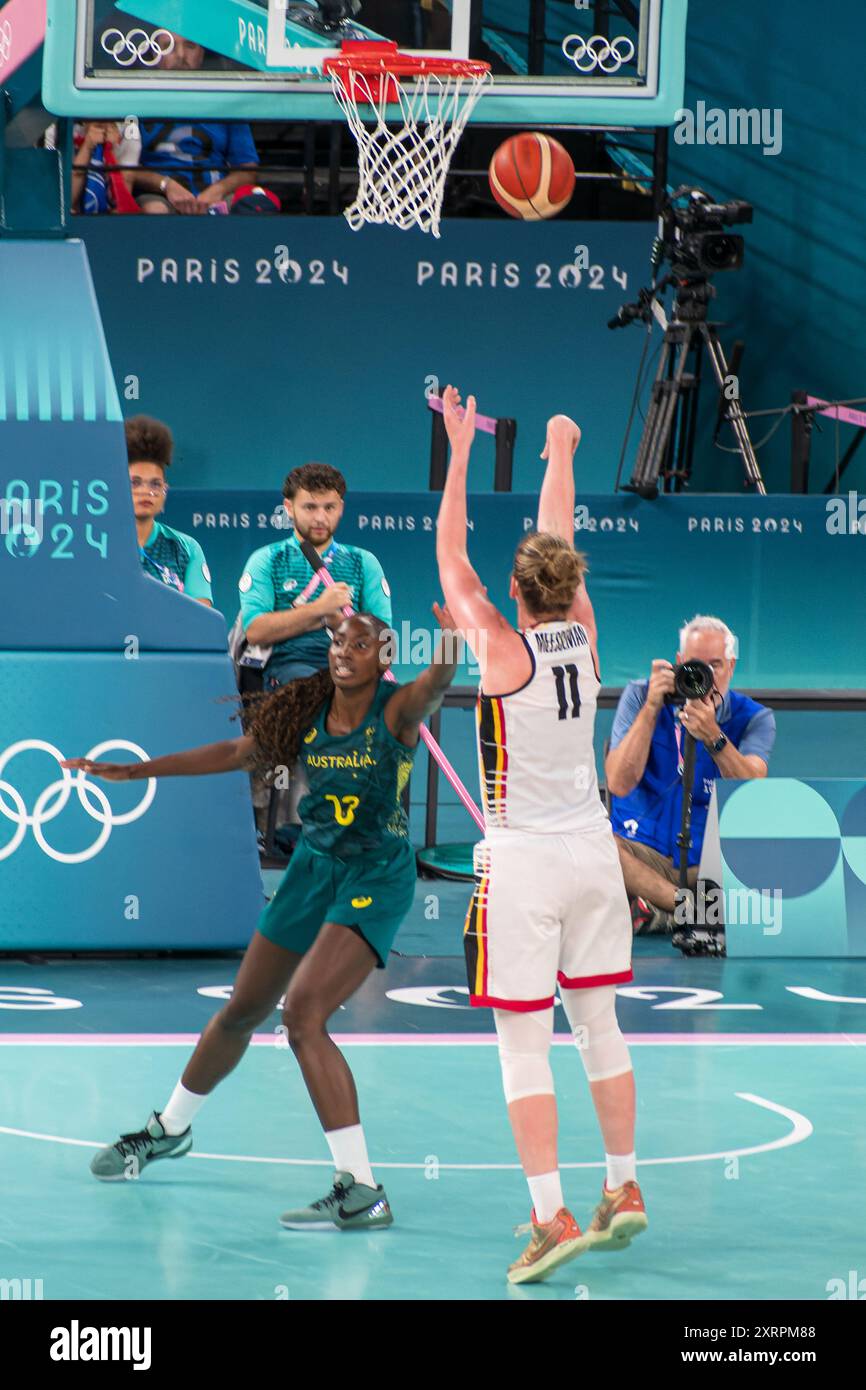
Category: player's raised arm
[556,500]
[465,595]
[414,703]
[556,506]
[230,755]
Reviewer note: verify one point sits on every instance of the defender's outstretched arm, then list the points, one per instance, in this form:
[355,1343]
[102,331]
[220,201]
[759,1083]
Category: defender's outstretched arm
[231,755]
[414,703]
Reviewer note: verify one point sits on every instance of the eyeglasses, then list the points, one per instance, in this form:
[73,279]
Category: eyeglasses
[145,485]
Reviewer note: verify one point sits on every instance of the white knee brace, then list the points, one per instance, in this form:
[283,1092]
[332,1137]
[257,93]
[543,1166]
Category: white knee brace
[592,1015]
[524,1052]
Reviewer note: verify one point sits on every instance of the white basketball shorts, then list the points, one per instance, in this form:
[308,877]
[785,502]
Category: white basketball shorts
[547,911]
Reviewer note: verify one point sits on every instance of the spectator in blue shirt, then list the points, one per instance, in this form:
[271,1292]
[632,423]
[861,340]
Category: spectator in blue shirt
[194,166]
[734,735]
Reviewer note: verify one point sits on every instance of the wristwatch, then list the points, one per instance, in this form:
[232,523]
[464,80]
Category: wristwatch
[718,745]
[163,185]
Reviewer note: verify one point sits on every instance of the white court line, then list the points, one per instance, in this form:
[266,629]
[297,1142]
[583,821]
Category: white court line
[801,1129]
[438,1039]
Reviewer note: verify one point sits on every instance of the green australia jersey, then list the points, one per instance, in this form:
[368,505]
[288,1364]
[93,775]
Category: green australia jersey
[356,781]
[177,560]
[276,578]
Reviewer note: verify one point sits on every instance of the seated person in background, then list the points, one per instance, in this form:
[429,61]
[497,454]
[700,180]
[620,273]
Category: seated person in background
[190,167]
[276,609]
[734,735]
[166,554]
[98,185]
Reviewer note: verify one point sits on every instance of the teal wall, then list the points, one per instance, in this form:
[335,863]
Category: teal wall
[799,301]
[652,566]
[97,659]
[258,367]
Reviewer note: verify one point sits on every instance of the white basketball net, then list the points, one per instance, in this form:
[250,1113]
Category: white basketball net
[402,171]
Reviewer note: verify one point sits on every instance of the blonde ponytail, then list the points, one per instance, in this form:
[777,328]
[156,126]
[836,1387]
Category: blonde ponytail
[548,572]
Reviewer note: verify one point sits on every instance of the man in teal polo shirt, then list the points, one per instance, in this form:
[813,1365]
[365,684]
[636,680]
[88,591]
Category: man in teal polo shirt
[283,606]
[166,555]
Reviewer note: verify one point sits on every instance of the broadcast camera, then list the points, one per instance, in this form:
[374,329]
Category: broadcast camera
[691,238]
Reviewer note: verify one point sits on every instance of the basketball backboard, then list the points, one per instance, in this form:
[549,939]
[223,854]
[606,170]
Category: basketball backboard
[569,62]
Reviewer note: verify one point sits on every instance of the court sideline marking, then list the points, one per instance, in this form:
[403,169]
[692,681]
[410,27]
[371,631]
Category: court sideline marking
[437,1039]
[801,1129]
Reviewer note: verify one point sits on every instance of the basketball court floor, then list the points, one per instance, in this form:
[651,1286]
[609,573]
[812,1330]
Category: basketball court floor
[748,1077]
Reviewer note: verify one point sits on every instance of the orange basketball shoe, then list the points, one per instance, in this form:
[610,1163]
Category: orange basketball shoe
[618,1218]
[552,1244]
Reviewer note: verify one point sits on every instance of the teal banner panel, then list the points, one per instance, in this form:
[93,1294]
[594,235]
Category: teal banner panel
[145,865]
[790,589]
[267,342]
[794,866]
[98,660]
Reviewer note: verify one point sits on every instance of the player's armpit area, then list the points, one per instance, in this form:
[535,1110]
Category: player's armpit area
[506,665]
[414,703]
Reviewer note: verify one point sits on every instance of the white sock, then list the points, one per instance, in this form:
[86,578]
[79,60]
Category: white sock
[179,1113]
[546,1194]
[349,1152]
[620,1168]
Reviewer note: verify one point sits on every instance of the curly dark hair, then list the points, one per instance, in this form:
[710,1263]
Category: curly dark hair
[278,720]
[314,477]
[148,441]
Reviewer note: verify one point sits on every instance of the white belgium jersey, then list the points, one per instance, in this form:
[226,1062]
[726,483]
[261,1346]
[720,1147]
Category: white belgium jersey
[535,745]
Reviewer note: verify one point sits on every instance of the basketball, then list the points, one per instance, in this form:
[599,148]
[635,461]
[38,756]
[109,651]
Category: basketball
[531,176]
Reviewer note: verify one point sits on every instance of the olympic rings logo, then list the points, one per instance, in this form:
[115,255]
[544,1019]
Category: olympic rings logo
[598,52]
[5,42]
[136,46]
[45,809]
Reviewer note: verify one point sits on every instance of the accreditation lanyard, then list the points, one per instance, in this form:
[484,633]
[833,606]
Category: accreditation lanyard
[166,575]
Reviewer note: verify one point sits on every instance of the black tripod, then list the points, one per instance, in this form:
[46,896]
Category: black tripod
[689,937]
[684,839]
[667,444]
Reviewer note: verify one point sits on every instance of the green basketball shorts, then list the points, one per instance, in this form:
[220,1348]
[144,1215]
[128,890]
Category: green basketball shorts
[371,894]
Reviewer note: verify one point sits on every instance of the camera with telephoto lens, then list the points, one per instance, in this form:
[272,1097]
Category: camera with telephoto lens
[692,681]
[692,238]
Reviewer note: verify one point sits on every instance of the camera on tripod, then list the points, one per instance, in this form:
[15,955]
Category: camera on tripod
[691,237]
[692,681]
[693,240]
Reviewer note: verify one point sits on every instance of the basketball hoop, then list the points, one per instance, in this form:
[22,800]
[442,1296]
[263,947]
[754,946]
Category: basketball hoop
[402,169]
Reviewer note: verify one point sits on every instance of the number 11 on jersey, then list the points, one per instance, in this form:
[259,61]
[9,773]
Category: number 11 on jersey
[573,694]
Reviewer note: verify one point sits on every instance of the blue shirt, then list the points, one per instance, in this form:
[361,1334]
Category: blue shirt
[651,813]
[187,152]
[94,195]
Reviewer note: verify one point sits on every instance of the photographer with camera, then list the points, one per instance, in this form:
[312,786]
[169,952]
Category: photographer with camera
[734,738]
